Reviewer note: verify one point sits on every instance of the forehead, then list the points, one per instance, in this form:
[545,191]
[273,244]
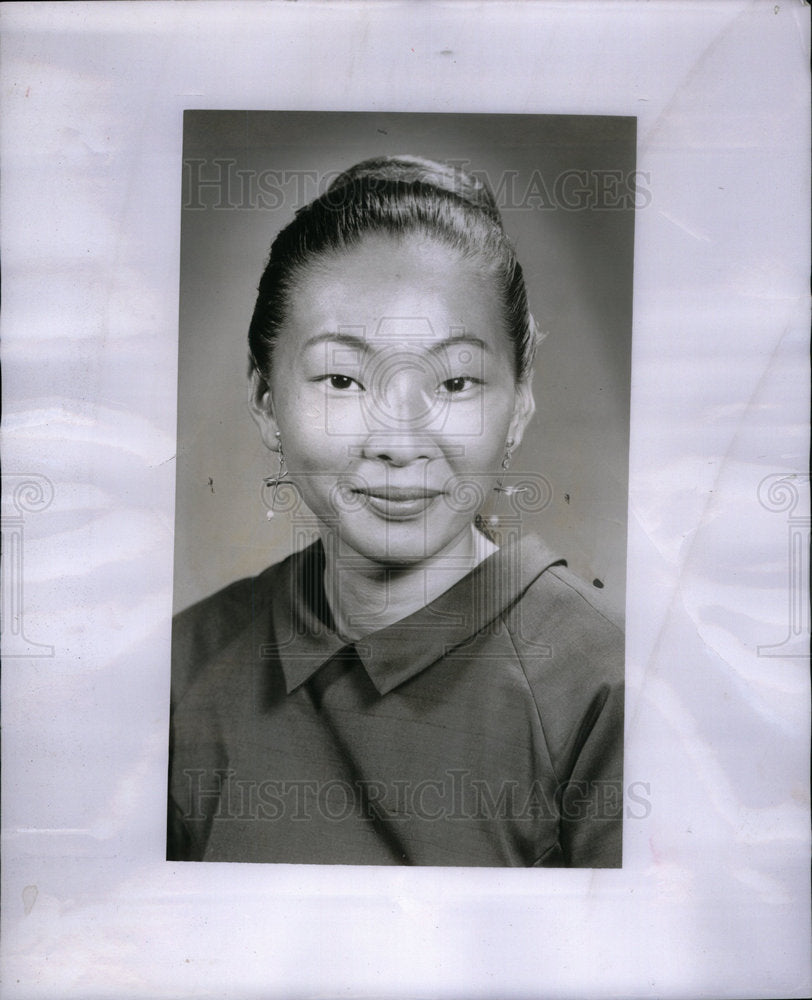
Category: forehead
[386,286]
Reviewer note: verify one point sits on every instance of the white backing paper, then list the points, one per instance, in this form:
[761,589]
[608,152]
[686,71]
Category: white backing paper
[713,898]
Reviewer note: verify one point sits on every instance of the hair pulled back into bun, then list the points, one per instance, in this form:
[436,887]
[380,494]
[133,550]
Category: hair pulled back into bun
[398,196]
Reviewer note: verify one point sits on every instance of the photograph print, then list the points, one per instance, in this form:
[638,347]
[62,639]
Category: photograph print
[402,477]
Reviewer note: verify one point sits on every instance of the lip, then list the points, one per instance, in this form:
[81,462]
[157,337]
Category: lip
[399,503]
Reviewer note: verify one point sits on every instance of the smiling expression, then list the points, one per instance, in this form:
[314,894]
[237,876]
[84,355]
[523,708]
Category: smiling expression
[393,389]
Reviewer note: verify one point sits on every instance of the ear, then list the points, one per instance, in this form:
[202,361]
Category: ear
[261,408]
[523,410]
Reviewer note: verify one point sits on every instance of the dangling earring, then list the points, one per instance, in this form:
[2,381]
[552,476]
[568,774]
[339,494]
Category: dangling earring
[281,473]
[508,491]
[488,526]
[500,482]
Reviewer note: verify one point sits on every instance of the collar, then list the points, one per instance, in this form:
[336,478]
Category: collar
[306,636]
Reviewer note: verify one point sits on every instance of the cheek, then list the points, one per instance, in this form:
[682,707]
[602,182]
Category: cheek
[315,446]
[483,437]
[298,411]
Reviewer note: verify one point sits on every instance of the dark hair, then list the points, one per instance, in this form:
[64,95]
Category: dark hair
[394,195]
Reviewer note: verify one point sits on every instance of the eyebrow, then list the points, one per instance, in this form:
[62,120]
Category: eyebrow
[352,340]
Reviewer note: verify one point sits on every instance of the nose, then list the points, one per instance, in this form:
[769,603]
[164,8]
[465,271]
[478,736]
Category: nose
[402,418]
[399,449]
[402,392]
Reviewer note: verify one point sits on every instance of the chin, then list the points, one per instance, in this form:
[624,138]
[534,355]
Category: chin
[400,546]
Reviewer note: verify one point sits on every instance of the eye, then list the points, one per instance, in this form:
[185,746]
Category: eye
[458,384]
[341,382]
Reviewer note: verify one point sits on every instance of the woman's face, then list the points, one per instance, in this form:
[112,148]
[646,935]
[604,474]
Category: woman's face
[393,391]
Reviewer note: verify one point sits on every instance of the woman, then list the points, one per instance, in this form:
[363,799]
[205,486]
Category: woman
[403,691]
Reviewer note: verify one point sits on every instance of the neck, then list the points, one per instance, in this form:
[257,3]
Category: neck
[365,596]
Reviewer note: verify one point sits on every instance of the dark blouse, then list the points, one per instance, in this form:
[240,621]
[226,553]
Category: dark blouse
[485,729]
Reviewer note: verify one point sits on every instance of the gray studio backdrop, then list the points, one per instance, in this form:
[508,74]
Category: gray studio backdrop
[568,191]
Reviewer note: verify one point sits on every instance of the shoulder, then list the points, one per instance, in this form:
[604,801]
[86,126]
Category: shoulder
[569,598]
[558,605]
[201,631]
[569,640]
[570,648]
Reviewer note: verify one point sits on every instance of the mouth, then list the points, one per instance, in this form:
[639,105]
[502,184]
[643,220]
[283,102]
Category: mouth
[399,503]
